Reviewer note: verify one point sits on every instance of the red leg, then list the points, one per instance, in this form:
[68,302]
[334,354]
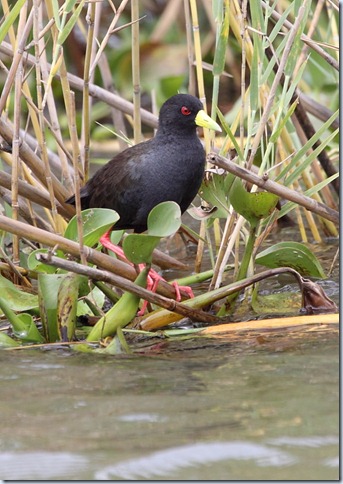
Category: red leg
[105,240]
[153,278]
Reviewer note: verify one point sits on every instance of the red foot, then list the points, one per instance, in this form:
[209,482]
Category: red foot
[186,289]
[153,277]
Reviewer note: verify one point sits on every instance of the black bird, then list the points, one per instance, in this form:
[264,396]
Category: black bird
[168,167]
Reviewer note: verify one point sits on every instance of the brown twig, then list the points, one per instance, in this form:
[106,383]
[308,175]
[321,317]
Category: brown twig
[273,187]
[307,127]
[126,285]
[70,247]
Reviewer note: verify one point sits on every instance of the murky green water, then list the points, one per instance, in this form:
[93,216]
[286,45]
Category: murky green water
[264,408]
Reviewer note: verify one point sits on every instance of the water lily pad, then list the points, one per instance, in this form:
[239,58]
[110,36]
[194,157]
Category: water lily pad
[294,255]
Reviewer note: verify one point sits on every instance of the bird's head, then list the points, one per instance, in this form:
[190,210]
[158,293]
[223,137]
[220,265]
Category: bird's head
[184,112]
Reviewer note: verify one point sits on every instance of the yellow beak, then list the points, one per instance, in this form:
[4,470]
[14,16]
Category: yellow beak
[202,119]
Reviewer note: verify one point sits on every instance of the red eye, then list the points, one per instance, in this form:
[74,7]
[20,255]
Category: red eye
[185,111]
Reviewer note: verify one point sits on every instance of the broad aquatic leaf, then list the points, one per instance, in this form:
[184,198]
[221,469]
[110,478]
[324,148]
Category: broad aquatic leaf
[277,303]
[7,342]
[31,332]
[164,219]
[23,325]
[294,255]
[96,222]
[138,248]
[215,191]
[121,314]
[252,206]
[67,306]
[48,286]
[95,295]
[17,299]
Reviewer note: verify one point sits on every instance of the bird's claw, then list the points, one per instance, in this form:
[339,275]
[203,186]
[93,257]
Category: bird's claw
[178,289]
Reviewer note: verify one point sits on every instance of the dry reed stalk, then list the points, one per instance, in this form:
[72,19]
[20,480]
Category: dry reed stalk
[273,187]
[86,99]
[137,128]
[73,248]
[98,92]
[109,32]
[313,45]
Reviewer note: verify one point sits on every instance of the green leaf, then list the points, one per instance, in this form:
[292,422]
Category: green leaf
[230,134]
[164,219]
[48,286]
[120,314]
[252,206]
[10,18]
[23,325]
[307,146]
[67,306]
[96,222]
[294,255]
[16,299]
[221,45]
[7,342]
[138,248]
[215,190]
[30,331]
[71,22]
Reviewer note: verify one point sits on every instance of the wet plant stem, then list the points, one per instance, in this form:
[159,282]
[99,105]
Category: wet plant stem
[242,272]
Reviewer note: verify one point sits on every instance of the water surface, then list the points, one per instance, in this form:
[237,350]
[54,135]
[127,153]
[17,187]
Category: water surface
[265,407]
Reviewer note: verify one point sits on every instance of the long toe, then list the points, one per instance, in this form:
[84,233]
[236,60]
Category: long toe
[188,290]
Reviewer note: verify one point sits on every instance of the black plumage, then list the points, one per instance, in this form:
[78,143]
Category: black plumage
[168,167]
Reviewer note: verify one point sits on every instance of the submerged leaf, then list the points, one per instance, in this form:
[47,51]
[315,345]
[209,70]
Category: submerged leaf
[277,303]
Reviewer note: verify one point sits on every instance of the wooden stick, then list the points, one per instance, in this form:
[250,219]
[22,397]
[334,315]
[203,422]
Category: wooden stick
[273,187]
[273,323]
[124,284]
